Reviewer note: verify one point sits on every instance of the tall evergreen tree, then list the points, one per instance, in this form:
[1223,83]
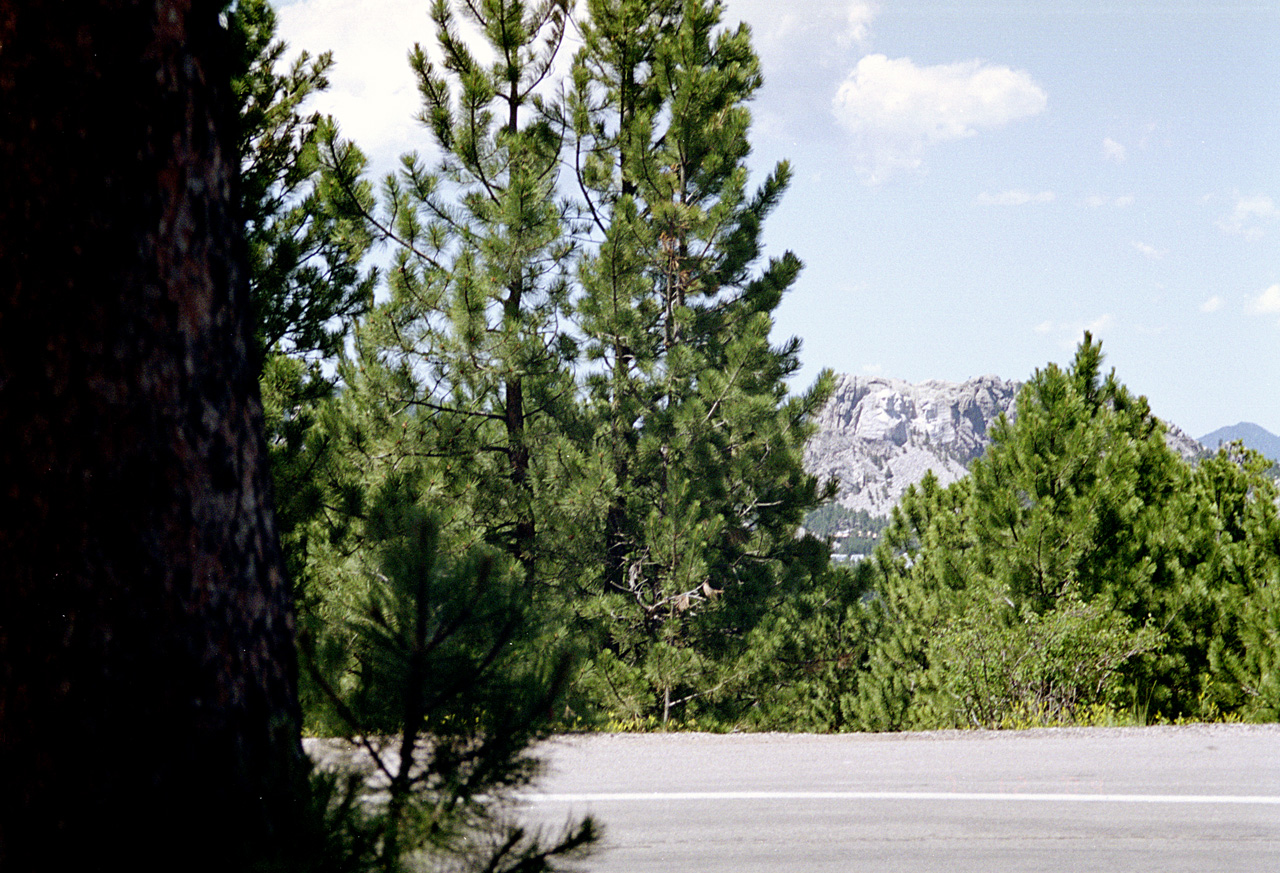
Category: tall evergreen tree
[688,400]
[467,354]
[305,257]
[306,278]
[1076,495]
[399,638]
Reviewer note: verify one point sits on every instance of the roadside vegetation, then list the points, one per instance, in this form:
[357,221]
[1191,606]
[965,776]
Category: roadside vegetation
[1083,572]
[543,472]
[568,371]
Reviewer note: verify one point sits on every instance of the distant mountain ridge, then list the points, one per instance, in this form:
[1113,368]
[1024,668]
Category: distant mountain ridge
[1253,436]
[879,435]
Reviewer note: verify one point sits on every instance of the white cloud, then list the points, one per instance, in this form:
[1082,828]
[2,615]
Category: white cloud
[1213,304]
[1015,197]
[1113,151]
[873,369]
[812,29]
[1268,302]
[373,94]
[1069,333]
[784,24]
[1248,216]
[1101,323]
[1097,201]
[895,109]
[859,17]
[1149,251]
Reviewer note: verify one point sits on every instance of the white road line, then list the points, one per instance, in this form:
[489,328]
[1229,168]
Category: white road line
[676,796]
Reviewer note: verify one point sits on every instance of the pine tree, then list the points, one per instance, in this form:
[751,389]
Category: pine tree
[1082,565]
[434,660]
[1076,490]
[445,680]
[924,572]
[1229,607]
[432,617]
[467,354]
[304,257]
[305,267]
[688,399]
[1082,503]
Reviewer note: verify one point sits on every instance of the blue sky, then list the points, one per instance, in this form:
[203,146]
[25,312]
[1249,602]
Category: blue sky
[975,184]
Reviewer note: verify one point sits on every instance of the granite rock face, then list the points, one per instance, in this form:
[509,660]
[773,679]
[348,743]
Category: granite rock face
[878,435]
[1190,449]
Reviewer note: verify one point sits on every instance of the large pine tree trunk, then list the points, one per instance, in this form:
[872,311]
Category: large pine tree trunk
[148,710]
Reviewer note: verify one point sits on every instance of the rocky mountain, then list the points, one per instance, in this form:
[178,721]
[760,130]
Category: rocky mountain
[880,435]
[1253,436]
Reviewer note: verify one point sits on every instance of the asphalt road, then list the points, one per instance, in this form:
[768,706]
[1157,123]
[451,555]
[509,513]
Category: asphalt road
[1197,798]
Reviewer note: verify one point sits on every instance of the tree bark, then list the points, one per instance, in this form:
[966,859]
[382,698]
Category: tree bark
[148,708]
